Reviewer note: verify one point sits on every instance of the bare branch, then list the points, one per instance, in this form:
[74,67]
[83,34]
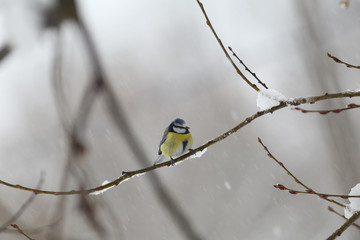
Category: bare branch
[342,62]
[128,175]
[308,189]
[345,226]
[338,110]
[21,231]
[341,215]
[247,69]
[223,48]
[23,207]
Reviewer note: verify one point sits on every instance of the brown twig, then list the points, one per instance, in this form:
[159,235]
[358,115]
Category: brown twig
[308,189]
[342,62]
[341,215]
[345,226]
[323,112]
[36,230]
[23,207]
[21,231]
[128,175]
[247,69]
[223,48]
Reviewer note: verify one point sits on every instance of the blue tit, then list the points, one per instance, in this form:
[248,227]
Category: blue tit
[176,140]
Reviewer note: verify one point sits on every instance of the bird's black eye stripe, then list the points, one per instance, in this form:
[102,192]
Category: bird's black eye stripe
[182,127]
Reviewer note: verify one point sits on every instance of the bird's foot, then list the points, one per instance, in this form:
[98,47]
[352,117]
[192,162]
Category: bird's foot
[172,161]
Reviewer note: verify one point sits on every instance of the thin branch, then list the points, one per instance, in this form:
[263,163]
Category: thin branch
[308,189]
[128,175]
[21,231]
[323,112]
[247,69]
[341,215]
[326,96]
[23,207]
[223,48]
[345,226]
[36,230]
[342,62]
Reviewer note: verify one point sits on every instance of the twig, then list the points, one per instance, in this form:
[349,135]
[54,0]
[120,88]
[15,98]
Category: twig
[345,226]
[23,207]
[21,231]
[247,69]
[128,175]
[308,189]
[338,110]
[35,230]
[342,62]
[341,215]
[223,48]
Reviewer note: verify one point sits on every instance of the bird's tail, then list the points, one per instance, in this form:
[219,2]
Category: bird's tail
[159,159]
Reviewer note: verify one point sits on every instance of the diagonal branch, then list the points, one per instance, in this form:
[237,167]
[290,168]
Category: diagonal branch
[223,48]
[345,226]
[342,62]
[308,189]
[247,69]
[21,231]
[342,216]
[23,207]
[127,175]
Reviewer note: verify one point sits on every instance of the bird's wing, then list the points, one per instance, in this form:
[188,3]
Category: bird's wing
[163,138]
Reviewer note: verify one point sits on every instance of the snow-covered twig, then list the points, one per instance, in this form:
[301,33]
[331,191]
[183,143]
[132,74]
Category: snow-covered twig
[127,175]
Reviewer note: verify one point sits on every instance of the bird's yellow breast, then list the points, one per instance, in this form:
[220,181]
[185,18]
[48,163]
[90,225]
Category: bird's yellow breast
[173,145]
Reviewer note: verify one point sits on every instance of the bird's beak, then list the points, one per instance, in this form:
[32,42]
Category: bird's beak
[187,128]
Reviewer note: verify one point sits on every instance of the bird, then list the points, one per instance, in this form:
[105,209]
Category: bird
[176,140]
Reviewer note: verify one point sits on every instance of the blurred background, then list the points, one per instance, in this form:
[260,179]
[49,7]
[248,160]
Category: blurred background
[162,61]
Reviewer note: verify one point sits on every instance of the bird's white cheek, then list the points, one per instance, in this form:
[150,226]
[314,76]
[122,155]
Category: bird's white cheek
[179,130]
